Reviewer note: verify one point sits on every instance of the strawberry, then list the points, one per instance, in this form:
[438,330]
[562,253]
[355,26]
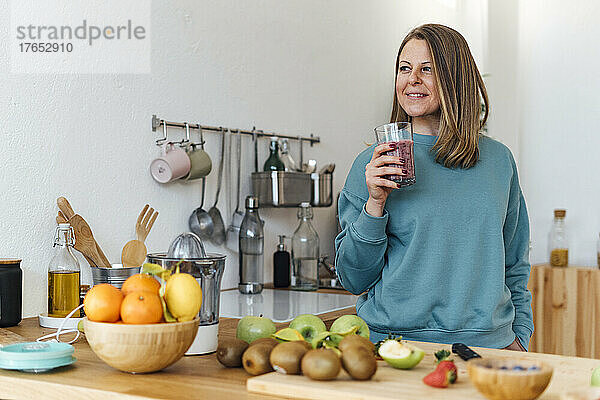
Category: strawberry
[449,366]
[445,372]
[439,378]
[442,355]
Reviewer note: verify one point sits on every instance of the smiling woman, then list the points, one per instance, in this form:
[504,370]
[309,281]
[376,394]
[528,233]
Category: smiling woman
[446,259]
[432,61]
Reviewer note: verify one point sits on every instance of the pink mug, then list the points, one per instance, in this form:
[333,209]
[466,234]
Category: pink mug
[173,164]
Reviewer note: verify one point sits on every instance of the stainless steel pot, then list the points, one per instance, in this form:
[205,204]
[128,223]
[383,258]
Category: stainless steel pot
[322,186]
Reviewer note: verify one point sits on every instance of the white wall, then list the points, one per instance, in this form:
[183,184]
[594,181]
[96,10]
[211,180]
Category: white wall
[295,67]
[557,89]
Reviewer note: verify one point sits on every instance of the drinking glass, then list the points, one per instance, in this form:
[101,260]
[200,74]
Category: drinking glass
[400,136]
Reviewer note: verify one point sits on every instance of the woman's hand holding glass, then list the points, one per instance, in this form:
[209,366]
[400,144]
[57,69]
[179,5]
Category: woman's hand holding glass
[378,186]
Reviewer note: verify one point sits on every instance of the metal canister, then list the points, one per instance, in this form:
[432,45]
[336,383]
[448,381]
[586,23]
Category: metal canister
[11,288]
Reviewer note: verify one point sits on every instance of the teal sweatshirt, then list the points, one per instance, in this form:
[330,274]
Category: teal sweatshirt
[449,259]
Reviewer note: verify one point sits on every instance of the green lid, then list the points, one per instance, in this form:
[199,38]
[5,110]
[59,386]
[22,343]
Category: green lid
[36,356]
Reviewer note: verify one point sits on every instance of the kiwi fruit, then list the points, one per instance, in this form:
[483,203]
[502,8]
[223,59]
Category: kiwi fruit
[255,359]
[321,364]
[229,352]
[285,357]
[269,341]
[359,362]
[303,343]
[356,340]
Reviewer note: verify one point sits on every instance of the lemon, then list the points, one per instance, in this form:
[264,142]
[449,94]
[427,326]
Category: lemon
[287,335]
[183,296]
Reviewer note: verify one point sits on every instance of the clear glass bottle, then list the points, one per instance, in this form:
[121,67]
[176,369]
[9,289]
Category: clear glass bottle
[274,163]
[305,252]
[252,246]
[63,275]
[559,245]
[286,158]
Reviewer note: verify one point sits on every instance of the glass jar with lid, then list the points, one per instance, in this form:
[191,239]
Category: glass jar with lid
[559,244]
[305,252]
[11,282]
[63,275]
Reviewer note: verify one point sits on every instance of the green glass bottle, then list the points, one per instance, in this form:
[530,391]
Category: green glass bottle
[274,163]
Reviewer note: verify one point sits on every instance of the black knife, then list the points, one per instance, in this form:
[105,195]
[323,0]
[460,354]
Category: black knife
[464,351]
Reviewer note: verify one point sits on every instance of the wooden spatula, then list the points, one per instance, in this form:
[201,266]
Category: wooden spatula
[134,253]
[68,213]
[61,219]
[85,242]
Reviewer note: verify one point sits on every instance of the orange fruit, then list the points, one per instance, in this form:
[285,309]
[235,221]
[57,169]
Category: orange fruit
[141,307]
[140,283]
[102,303]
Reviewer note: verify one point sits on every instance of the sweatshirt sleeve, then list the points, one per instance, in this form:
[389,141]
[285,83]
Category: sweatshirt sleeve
[517,266]
[360,246]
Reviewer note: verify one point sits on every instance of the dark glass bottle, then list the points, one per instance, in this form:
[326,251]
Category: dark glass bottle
[281,265]
[274,163]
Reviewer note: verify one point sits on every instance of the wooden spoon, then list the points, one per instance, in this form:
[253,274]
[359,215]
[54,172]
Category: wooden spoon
[85,242]
[134,253]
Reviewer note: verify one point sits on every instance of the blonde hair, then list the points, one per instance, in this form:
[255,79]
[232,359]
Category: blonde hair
[461,90]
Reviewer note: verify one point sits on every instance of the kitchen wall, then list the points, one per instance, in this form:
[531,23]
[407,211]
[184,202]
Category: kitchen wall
[296,67]
[557,89]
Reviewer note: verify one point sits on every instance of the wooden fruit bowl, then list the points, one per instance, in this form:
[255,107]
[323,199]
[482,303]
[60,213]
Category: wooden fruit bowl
[140,348]
[509,384]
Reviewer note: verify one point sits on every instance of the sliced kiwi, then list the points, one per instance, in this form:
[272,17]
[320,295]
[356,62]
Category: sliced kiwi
[285,357]
[356,340]
[229,352]
[359,362]
[321,364]
[255,359]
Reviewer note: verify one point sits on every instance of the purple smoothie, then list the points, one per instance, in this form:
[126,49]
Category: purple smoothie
[404,149]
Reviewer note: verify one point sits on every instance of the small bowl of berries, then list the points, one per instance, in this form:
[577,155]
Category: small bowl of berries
[507,378]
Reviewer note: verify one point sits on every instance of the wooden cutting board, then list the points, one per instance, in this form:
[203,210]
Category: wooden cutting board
[388,383]
[8,337]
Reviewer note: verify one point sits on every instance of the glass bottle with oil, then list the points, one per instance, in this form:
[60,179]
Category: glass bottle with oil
[559,245]
[63,275]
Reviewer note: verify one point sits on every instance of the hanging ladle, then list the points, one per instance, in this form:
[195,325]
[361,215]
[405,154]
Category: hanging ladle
[218,235]
[200,221]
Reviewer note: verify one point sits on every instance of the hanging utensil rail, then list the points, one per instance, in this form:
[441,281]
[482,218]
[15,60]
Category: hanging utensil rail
[157,123]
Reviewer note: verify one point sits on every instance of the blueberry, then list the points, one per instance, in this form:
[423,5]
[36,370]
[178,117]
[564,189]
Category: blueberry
[518,368]
[533,368]
[503,367]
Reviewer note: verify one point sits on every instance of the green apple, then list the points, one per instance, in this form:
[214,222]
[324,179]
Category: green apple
[596,377]
[308,325]
[400,355]
[326,339]
[251,328]
[348,324]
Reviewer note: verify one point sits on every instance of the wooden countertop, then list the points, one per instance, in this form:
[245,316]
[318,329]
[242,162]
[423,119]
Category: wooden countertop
[203,376]
[90,378]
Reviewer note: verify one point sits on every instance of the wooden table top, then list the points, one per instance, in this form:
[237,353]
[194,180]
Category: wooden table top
[195,376]
[190,377]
